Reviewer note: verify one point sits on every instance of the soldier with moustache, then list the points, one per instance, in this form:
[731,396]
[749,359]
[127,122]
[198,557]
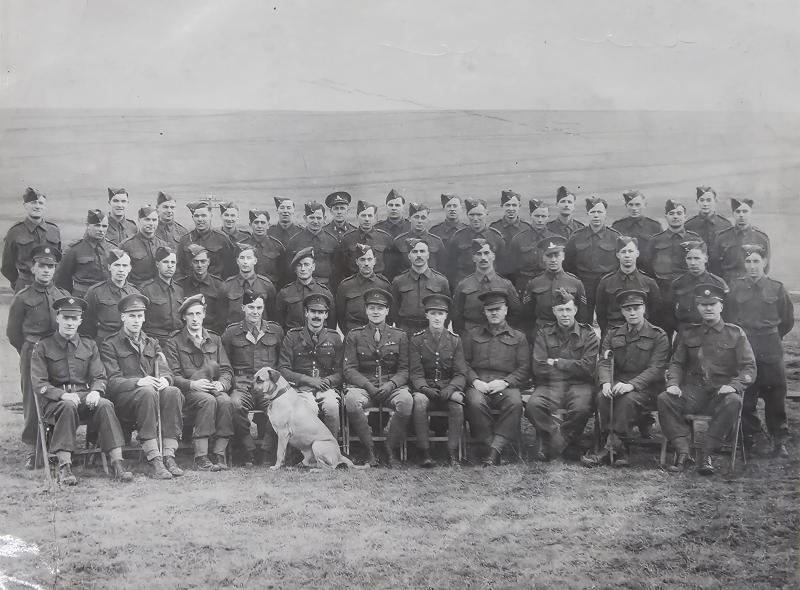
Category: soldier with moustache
[725,253]
[246,280]
[707,223]
[526,260]
[269,251]
[510,224]
[377,239]
[120,228]
[460,261]
[139,381]
[395,222]
[229,217]
[418,214]
[682,289]
[168,230]
[199,280]
[101,318]
[320,240]
[452,218]
[350,311]
[24,236]
[339,205]
[142,247]
[636,224]
[286,228]
[32,317]
[290,310]
[220,249]
[165,295]
[86,262]
[565,223]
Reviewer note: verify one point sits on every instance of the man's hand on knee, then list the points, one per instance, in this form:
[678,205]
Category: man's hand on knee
[674,390]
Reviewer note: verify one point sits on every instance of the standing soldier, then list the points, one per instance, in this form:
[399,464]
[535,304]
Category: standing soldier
[139,381]
[438,375]
[24,236]
[539,295]
[725,254]
[86,262]
[350,293]
[229,216]
[120,228]
[683,287]
[251,343]
[418,214]
[290,310]
[286,228]
[168,229]
[379,240]
[101,318]
[199,280]
[32,317]
[165,295]
[246,280]
[311,358]
[591,251]
[319,239]
[637,225]
[710,369]
[220,248]
[565,224]
[452,211]
[762,307]
[468,308]
[268,250]
[395,222]
[460,261]
[411,287]
[66,371]
[201,370]
[510,224]
[376,372]
[707,223]
[142,247]
[524,257]
[339,204]
[633,358]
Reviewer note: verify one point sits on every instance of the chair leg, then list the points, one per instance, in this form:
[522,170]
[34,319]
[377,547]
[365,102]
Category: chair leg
[663,456]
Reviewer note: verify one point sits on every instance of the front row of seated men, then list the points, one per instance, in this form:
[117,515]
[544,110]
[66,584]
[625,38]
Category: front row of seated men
[207,379]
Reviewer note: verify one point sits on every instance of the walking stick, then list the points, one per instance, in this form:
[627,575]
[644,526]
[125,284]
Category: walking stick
[159,355]
[736,438]
[609,356]
[43,439]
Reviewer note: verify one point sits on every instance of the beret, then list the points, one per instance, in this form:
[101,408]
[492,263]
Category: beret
[146,210]
[338,198]
[365,205]
[393,194]
[630,195]
[70,304]
[416,208]
[31,194]
[256,213]
[46,253]
[312,206]
[304,253]
[562,192]
[552,244]
[736,203]
[494,297]
[671,205]
[447,197]
[535,204]
[479,243]
[562,296]
[437,301]
[470,204]
[133,302]
[690,245]
[627,297]
[377,296]
[197,299]
[319,301]
[94,216]
[163,198]
[162,252]
[116,254]
[507,195]
[623,241]
[701,190]
[195,250]
[362,249]
[116,191]
[592,202]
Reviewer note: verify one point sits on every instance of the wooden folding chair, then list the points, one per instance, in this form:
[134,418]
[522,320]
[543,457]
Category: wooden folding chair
[699,424]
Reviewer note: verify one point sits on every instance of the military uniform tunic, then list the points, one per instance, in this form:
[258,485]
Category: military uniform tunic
[725,254]
[591,255]
[84,264]
[380,241]
[171,233]
[220,253]
[537,299]
[211,288]
[22,237]
[608,311]
[459,252]
[283,234]
[233,289]
[119,231]
[101,318]
[289,303]
[525,259]
[445,230]
[338,230]
[324,244]
[394,228]
[401,249]
[565,230]
[163,314]
[237,234]
[408,291]
[467,309]
[707,226]
[270,255]
[682,289]
[350,311]
[142,251]
[641,228]
[510,229]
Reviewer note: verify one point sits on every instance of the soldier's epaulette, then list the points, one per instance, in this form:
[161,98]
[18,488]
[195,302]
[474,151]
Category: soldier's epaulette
[358,328]
[656,328]
[418,333]
[380,276]
[645,273]
[436,272]
[295,329]
[214,332]
[16,224]
[55,225]
[271,323]
[737,326]
[495,230]
[24,289]
[383,231]
[608,274]
[73,243]
[219,278]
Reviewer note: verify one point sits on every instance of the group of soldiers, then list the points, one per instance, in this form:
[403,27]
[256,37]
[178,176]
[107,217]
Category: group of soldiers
[152,327]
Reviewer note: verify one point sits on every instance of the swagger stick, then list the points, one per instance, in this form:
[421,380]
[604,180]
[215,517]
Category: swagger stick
[609,356]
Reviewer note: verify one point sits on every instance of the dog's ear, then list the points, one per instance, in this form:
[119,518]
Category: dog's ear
[273,375]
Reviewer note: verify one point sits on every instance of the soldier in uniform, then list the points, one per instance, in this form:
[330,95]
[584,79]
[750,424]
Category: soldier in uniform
[320,240]
[452,211]
[339,205]
[32,317]
[633,358]
[637,225]
[591,251]
[498,364]
[101,318]
[168,229]
[138,379]
[120,228]
[564,362]
[510,224]
[438,375]
[761,306]
[286,228]
[311,358]
[220,248]
[379,240]
[460,257]
[68,375]
[710,369]
[682,289]
[525,259]
[246,280]
[142,247]
[376,373]
[565,224]
[395,222]
[725,254]
[350,293]
[418,214]
[468,308]
[412,286]
[707,223]
[165,295]
[537,299]
[86,262]
[199,280]
[201,370]
[251,343]
[229,216]
[290,311]
[269,251]
[24,236]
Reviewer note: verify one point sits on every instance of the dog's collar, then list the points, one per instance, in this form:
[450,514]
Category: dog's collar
[279,393]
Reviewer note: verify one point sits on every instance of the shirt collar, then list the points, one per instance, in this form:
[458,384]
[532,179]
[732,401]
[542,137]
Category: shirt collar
[417,275]
[716,326]
[63,341]
[32,225]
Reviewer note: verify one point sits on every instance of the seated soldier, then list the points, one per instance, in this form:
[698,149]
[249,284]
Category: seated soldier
[311,358]
[251,344]
[376,373]
[138,379]
[631,374]
[564,361]
[68,375]
[711,367]
[498,361]
[201,370]
[438,377]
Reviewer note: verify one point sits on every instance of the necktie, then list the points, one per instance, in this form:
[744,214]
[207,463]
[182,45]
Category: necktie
[377,335]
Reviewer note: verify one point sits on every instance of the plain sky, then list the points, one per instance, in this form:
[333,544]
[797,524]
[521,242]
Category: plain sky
[412,54]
